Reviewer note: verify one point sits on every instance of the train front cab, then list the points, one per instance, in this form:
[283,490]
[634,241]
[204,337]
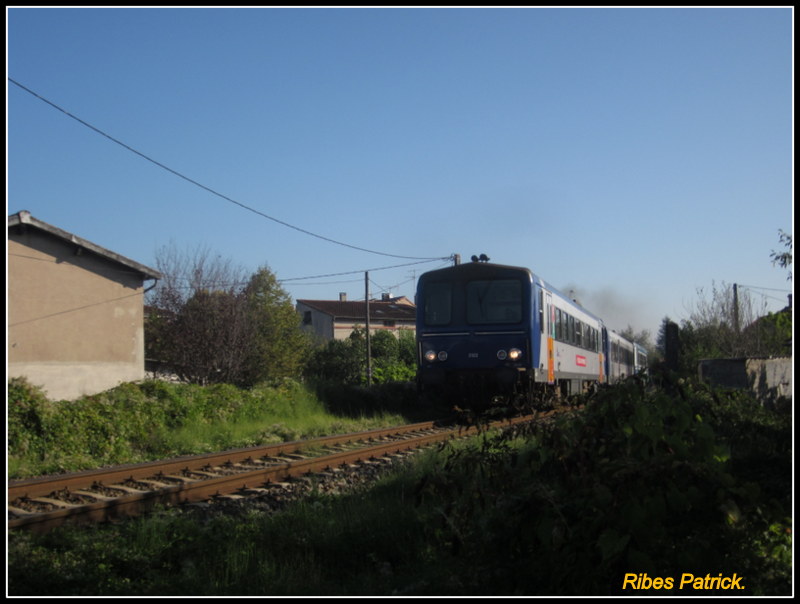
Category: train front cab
[474,326]
[491,331]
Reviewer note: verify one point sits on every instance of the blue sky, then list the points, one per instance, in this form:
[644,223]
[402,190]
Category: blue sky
[633,155]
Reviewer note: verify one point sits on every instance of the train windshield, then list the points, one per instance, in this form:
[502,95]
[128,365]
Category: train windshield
[438,302]
[495,301]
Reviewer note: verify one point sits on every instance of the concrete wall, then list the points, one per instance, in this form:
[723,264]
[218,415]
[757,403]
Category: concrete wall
[75,319]
[321,324]
[769,379]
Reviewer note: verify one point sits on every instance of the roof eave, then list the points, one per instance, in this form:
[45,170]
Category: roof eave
[24,218]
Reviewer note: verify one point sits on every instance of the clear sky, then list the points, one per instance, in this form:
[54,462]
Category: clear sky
[633,155]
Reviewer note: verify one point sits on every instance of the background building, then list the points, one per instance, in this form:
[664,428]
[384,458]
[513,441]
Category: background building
[332,319]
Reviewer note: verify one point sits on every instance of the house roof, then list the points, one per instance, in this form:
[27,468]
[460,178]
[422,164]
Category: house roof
[22,219]
[378,310]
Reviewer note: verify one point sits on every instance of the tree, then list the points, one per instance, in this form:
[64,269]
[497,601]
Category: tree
[344,361]
[384,348]
[278,347]
[195,326]
[209,322]
[725,325]
[407,348]
[188,272]
[337,361]
[670,347]
[719,322]
[783,259]
[207,340]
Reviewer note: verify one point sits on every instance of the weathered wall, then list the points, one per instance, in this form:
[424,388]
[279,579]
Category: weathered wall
[770,379]
[75,320]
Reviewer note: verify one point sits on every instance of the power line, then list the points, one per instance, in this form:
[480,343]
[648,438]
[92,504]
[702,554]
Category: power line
[763,295]
[382,268]
[204,187]
[774,289]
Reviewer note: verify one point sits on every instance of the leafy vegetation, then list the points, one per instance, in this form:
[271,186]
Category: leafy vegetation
[641,482]
[683,479]
[155,419]
[210,323]
[394,359]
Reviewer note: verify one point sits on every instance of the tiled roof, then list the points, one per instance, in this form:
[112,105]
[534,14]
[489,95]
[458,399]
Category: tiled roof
[378,311]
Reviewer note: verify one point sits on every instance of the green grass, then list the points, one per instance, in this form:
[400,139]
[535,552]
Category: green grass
[153,420]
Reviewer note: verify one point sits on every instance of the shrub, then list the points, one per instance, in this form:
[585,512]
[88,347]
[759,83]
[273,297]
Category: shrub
[639,482]
[27,410]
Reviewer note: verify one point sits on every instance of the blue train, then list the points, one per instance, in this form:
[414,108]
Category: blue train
[494,333]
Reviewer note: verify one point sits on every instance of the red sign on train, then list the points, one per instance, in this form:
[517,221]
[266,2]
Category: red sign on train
[580,361]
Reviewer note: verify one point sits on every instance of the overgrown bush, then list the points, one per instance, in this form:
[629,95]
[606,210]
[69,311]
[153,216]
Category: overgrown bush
[138,422]
[27,411]
[344,361]
[640,482]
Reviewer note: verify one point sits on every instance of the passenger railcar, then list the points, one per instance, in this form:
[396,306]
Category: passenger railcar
[619,352]
[493,331]
[639,359]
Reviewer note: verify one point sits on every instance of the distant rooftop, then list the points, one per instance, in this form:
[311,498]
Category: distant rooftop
[393,309]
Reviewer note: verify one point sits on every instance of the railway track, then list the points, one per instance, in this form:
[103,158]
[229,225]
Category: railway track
[39,504]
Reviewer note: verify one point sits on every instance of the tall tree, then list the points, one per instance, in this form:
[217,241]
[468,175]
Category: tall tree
[210,322]
[278,347]
[718,322]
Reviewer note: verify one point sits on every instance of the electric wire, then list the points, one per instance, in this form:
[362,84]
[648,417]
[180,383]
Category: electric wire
[774,289]
[208,189]
[763,295]
[382,268]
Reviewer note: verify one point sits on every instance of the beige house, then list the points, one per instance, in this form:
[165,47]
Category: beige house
[335,320]
[75,311]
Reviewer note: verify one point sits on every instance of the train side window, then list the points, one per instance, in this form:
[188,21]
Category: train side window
[541,311]
[438,303]
[570,329]
[559,325]
[578,333]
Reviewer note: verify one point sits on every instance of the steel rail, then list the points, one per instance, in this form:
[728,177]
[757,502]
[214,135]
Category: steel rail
[195,489]
[43,486]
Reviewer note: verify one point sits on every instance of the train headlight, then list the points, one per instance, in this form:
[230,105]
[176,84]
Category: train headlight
[432,355]
[512,355]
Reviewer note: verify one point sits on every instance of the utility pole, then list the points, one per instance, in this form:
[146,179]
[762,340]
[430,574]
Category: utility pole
[736,308]
[369,353]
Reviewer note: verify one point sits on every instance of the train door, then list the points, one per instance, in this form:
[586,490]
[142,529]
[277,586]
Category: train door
[600,347]
[551,335]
